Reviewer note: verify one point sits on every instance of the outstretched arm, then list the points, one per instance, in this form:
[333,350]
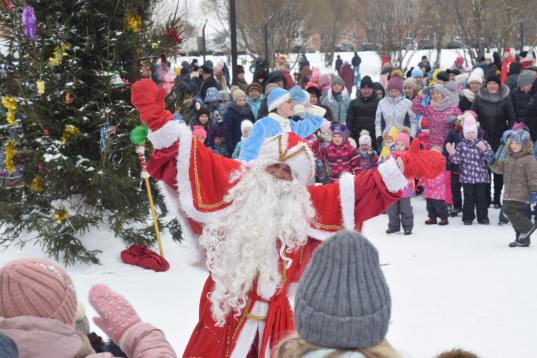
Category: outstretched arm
[313,119]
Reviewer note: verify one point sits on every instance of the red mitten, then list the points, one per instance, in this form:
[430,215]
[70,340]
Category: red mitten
[149,101]
[422,163]
[139,255]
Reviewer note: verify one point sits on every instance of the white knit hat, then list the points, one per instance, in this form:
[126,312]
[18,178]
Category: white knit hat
[476,75]
[365,138]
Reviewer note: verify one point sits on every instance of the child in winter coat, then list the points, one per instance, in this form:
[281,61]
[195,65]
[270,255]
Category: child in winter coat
[440,113]
[367,157]
[519,168]
[435,194]
[362,333]
[455,135]
[340,155]
[38,312]
[472,155]
[202,120]
[254,97]
[246,125]
[400,213]
[388,143]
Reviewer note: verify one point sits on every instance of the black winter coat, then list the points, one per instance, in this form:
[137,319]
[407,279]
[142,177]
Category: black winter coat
[361,115]
[464,103]
[233,117]
[495,113]
[521,105]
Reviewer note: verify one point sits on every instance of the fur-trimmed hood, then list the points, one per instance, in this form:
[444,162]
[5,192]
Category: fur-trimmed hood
[484,94]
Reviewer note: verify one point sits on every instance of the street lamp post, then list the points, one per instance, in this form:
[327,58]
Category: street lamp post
[265,35]
[233,28]
[203,36]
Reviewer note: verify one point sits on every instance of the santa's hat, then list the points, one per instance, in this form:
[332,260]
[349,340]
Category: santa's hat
[289,148]
[149,100]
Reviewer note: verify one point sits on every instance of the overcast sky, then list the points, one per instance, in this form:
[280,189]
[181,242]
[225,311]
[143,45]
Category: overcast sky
[192,8]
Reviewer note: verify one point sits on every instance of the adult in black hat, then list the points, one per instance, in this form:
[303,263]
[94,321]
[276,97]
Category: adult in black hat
[362,110]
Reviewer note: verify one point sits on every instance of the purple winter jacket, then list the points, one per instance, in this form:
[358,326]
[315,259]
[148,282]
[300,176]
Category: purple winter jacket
[472,161]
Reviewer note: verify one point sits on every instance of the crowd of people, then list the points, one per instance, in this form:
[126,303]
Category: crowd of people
[272,181]
[424,101]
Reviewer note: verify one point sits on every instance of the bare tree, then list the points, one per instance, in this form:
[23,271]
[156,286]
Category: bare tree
[286,28]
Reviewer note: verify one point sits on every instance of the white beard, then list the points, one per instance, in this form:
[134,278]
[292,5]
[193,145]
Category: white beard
[242,245]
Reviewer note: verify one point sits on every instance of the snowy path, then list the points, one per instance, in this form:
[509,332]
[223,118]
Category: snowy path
[453,286]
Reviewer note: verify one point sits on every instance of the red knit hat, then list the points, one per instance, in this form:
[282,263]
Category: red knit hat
[36,287]
[149,101]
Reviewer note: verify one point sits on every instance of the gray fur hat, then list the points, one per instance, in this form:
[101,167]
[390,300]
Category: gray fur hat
[343,300]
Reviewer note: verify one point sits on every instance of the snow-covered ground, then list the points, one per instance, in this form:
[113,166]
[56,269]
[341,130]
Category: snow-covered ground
[452,286]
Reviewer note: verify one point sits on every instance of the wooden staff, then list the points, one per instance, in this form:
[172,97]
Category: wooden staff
[140,151]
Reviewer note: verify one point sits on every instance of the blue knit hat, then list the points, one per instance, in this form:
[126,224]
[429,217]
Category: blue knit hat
[277,97]
[211,95]
[416,73]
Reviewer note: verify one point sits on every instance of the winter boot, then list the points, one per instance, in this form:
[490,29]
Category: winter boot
[391,231]
[455,212]
[443,221]
[431,220]
[526,235]
[408,231]
[520,242]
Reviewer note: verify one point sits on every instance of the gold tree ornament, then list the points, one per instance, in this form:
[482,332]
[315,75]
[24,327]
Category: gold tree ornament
[60,215]
[40,85]
[59,53]
[10,103]
[132,23]
[8,157]
[69,132]
[37,184]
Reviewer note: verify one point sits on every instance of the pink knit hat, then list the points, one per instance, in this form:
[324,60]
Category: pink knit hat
[403,137]
[36,287]
[200,131]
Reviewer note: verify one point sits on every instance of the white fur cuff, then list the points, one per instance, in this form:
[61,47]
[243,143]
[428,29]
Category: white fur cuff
[392,176]
[315,110]
[165,136]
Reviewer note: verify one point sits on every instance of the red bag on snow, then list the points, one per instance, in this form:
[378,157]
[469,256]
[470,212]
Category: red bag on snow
[140,255]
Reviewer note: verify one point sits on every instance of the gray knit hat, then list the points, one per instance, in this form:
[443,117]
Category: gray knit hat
[343,300]
[338,80]
[526,77]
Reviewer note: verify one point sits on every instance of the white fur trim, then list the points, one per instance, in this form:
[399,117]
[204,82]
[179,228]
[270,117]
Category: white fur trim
[392,176]
[186,198]
[279,101]
[284,122]
[318,234]
[299,110]
[249,330]
[316,110]
[347,199]
[302,165]
[171,200]
[165,136]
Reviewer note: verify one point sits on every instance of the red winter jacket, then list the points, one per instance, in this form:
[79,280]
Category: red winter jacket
[341,158]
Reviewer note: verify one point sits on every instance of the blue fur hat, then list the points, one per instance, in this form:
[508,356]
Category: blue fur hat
[298,95]
[416,73]
[277,97]
[521,137]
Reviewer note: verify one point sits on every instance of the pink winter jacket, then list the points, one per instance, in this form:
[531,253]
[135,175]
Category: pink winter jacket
[440,123]
[38,337]
[435,188]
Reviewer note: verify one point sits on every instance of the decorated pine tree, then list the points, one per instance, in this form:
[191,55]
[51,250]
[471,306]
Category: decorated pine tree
[67,165]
